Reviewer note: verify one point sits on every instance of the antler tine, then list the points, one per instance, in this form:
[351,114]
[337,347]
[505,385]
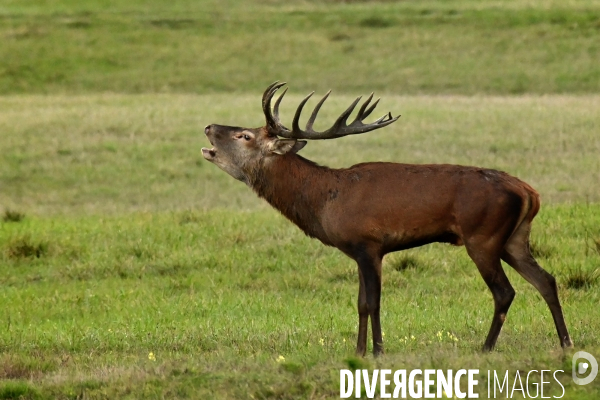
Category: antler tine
[344,116]
[295,127]
[313,116]
[276,107]
[268,94]
[266,100]
[370,110]
[388,115]
[381,122]
[273,124]
[360,116]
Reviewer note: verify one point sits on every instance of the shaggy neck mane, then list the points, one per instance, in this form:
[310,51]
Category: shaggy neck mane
[288,183]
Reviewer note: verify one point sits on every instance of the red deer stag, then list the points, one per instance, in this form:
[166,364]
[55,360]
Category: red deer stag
[371,209]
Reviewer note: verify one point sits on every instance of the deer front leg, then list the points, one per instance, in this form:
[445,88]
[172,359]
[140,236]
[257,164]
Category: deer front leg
[363,317]
[370,273]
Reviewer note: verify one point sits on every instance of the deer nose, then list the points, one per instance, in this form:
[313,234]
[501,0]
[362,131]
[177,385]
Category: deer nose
[207,129]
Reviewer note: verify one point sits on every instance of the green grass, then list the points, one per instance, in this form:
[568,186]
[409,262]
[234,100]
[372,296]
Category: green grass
[218,296]
[407,47]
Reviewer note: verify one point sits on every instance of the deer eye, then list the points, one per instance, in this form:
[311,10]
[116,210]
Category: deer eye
[246,137]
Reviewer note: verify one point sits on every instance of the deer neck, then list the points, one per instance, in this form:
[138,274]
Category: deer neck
[298,188]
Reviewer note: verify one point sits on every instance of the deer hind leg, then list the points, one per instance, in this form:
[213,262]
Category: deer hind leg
[489,266]
[369,296]
[518,255]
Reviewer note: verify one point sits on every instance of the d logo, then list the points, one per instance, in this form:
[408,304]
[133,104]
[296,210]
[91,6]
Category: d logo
[582,367]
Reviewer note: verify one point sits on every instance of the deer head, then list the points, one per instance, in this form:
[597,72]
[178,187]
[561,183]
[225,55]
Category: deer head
[240,151]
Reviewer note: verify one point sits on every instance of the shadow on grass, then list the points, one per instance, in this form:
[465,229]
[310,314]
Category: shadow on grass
[579,278]
[24,247]
[405,263]
[12,216]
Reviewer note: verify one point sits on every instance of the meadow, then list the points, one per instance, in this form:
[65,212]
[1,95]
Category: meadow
[215,46]
[132,268]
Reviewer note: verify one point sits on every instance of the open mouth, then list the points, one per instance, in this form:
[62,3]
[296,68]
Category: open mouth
[209,154]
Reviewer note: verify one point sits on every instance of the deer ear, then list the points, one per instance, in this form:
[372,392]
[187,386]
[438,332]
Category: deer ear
[283,146]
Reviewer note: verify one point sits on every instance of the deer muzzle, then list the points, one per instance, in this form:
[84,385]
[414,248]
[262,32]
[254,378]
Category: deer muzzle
[209,154]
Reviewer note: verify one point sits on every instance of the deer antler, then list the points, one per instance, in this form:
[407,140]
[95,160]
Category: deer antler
[340,127]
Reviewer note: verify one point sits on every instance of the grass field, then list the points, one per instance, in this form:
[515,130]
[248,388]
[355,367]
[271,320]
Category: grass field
[399,47]
[217,297]
[132,268]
